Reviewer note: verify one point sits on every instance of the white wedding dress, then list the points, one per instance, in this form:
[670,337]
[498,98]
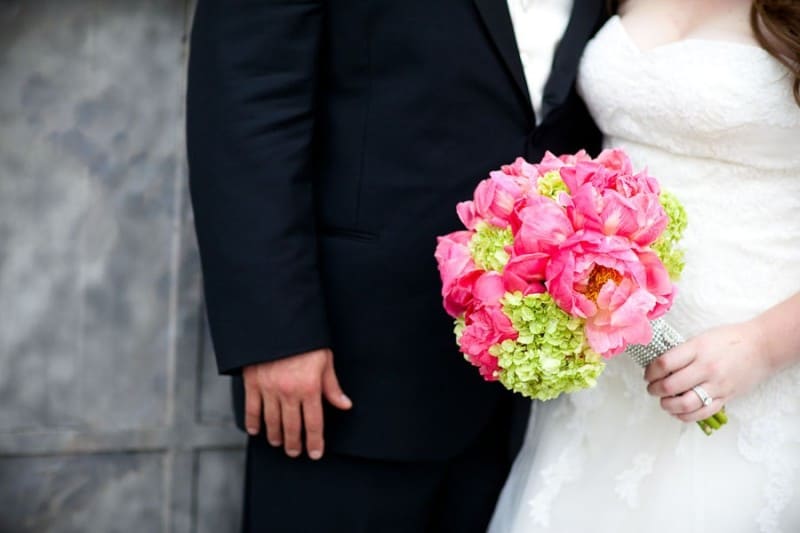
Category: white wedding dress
[716,122]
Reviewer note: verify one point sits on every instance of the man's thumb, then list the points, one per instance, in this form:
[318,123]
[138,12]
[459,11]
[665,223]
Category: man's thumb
[332,391]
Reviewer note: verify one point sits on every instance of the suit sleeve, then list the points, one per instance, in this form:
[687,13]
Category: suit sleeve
[250,119]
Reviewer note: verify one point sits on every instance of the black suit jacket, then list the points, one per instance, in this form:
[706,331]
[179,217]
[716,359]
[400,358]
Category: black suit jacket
[329,142]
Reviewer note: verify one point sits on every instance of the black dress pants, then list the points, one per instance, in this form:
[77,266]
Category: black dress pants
[343,494]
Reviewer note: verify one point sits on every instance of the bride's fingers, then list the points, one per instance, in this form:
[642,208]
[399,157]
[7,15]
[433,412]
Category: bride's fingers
[706,412]
[678,382]
[685,403]
[672,361]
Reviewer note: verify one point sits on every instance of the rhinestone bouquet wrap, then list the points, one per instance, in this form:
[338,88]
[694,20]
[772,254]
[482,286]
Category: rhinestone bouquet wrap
[665,337]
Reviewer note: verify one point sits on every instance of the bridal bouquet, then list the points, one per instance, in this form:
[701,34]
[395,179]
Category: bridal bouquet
[562,264]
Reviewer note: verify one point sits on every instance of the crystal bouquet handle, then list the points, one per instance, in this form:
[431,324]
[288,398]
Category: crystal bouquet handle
[664,339]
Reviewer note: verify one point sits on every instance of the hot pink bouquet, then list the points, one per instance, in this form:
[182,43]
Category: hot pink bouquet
[562,264]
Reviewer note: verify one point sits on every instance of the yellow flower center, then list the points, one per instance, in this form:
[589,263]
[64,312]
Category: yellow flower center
[600,276]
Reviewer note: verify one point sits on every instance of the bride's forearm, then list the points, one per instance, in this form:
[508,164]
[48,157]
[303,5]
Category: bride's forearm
[779,331]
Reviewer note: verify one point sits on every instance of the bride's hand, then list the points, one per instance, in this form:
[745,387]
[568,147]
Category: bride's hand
[725,362]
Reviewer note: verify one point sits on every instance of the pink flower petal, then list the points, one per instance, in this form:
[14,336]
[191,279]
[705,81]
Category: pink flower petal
[489,288]
[525,273]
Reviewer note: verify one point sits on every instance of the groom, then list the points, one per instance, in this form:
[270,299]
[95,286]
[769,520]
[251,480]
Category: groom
[329,142]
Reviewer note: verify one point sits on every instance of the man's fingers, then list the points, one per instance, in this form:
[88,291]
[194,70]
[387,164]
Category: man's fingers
[314,423]
[292,427]
[287,395]
[252,408]
[332,391]
[672,361]
[272,418]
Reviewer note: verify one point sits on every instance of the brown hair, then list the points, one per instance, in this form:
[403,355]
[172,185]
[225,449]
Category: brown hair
[776,25]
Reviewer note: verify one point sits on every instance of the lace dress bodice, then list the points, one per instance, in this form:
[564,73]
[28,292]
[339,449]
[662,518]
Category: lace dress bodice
[717,124]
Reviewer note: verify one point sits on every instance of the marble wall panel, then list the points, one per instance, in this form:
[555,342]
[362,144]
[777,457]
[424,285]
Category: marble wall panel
[219,490]
[106,493]
[91,171]
[112,417]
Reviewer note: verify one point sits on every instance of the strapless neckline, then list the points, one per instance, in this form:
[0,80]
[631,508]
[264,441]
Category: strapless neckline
[616,20]
[710,99]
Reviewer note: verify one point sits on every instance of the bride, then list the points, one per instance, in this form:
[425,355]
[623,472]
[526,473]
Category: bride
[706,95]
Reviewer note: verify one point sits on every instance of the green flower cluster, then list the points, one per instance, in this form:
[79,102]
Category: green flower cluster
[458,328]
[666,246]
[551,184]
[551,355]
[488,246]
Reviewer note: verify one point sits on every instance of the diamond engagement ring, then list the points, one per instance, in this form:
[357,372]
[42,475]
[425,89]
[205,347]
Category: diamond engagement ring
[703,395]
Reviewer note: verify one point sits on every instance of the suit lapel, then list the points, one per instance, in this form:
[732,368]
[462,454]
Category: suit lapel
[586,17]
[497,19]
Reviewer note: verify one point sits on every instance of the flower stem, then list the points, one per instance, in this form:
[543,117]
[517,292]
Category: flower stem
[713,423]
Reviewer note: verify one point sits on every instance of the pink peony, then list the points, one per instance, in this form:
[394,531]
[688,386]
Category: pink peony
[495,198]
[630,185]
[453,256]
[640,218]
[658,283]
[621,318]
[486,325]
[550,162]
[523,169]
[650,219]
[588,173]
[489,289]
[616,160]
[467,214]
[493,202]
[606,198]
[526,273]
[457,270]
[611,170]
[544,225]
[460,294]
[617,288]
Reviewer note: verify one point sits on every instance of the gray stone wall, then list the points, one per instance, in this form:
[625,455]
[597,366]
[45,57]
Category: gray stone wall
[112,418]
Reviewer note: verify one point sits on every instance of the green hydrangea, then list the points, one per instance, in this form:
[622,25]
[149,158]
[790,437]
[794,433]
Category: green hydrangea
[551,184]
[551,355]
[666,247]
[488,246]
[459,326]
[458,329]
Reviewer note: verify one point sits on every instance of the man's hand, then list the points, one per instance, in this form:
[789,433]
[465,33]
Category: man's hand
[288,393]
